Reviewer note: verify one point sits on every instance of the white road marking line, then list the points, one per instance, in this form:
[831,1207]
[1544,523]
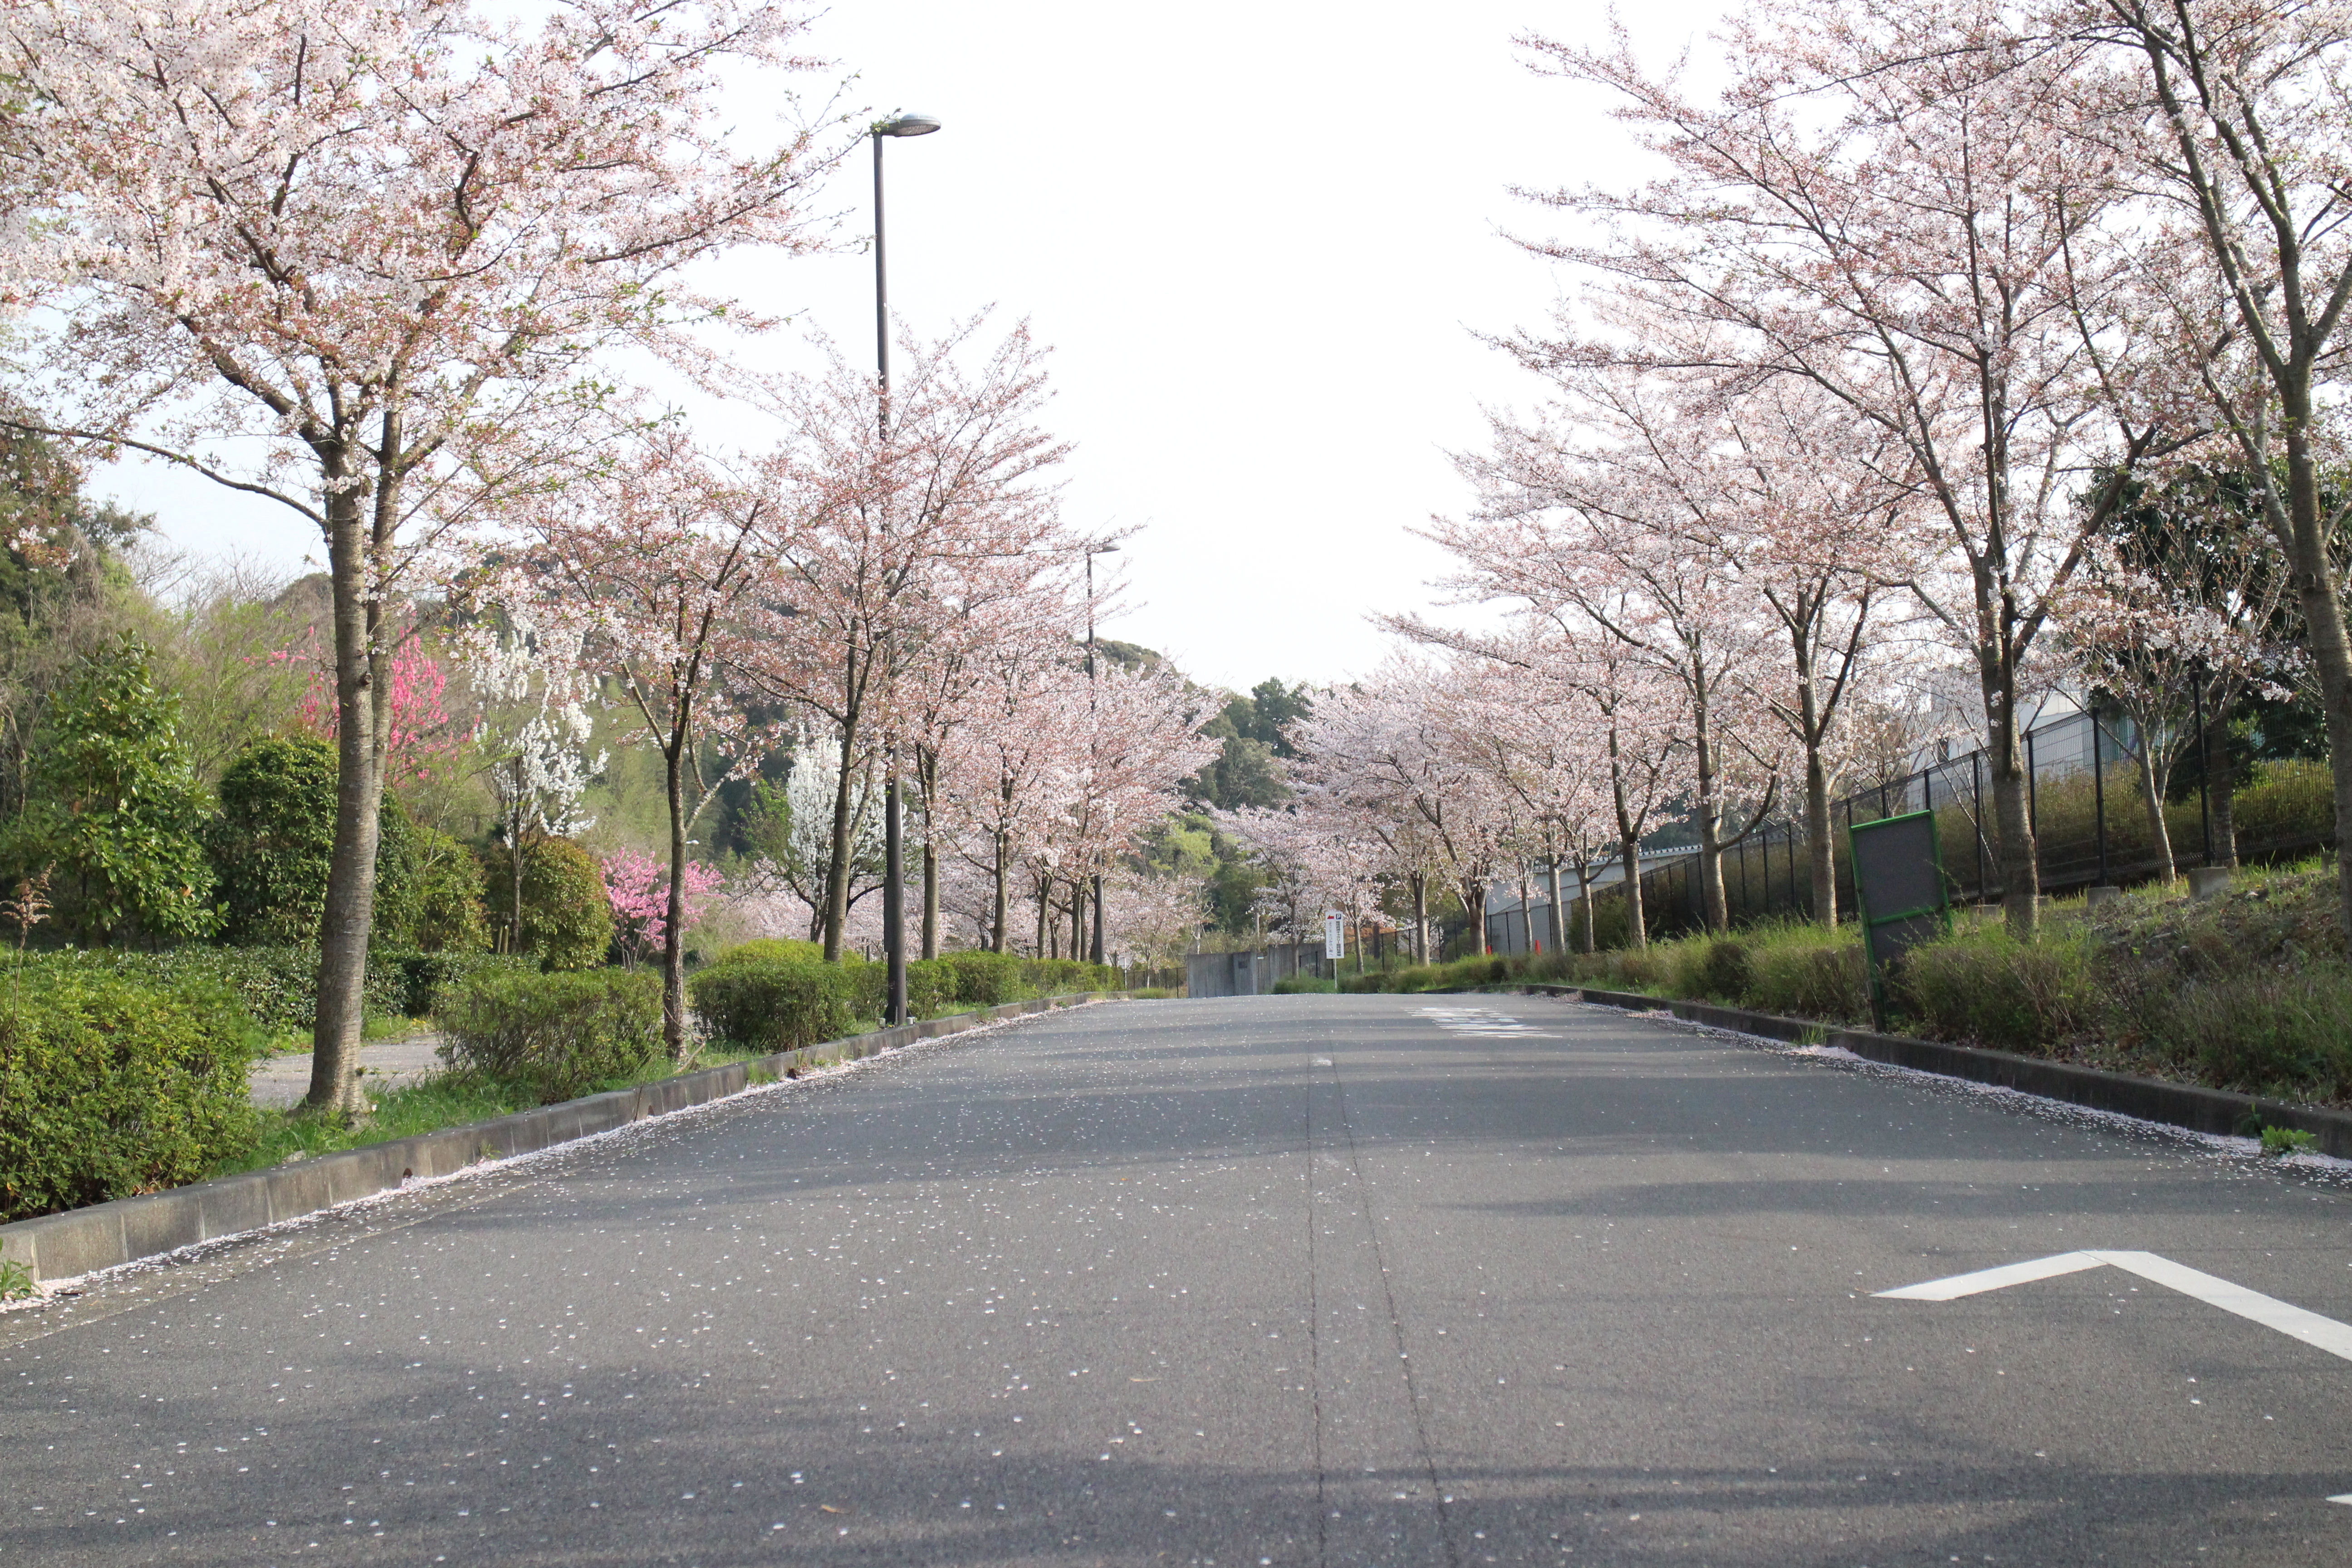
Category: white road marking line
[1481,1021]
[2321,1333]
[1961,1284]
[2342,1496]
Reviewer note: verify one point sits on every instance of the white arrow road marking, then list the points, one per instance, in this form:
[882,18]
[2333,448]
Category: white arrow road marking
[2323,1333]
[1961,1284]
[1481,1021]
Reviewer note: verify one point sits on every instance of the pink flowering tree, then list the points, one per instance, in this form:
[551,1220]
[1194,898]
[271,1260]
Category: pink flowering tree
[638,886]
[365,261]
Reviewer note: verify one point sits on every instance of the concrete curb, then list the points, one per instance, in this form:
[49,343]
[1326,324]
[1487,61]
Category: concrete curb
[104,1235]
[2149,1099]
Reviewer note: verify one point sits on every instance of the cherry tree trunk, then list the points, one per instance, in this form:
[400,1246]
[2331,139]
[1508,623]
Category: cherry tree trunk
[2221,786]
[1420,919]
[2020,871]
[1629,856]
[2326,643]
[674,932]
[2152,788]
[361,703]
[1558,920]
[1000,925]
[1821,847]
[836,873]
[930,891]
[1714,912]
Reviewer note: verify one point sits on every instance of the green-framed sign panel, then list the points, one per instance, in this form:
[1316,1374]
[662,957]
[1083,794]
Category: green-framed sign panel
[1899,883]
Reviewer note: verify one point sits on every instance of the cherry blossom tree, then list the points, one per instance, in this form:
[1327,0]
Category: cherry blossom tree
[2252,113]
[656,559]
[1626,531]
[1880,205]
[2178,616]
[532,729]
[1379,752]
[998,789]
[897,516]
[361,260]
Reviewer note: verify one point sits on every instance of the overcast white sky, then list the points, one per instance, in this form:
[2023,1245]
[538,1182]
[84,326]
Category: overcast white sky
[1261,237]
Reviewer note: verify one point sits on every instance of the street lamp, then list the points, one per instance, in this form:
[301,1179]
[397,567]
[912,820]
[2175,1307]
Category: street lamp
[894,868]
[1105,547]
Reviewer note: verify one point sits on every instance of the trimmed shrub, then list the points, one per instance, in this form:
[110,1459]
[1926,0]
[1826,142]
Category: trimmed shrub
[779,1006]
[109,1086]
[564,1034]
[273,840]
[768,948]
[433,904]
[275,988]
[984,979]
[931,985]
[1058,976]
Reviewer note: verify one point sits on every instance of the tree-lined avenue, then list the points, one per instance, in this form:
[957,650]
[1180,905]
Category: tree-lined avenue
[1344,1279]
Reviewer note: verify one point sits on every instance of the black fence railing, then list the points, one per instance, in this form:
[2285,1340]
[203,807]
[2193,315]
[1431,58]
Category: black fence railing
[2085,799]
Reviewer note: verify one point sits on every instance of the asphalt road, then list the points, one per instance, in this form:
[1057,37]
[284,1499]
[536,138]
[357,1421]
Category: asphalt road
[1292,1280]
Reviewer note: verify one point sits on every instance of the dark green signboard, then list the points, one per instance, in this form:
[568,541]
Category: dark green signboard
[1898,880]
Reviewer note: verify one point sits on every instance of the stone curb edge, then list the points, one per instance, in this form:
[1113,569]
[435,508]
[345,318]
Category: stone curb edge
[2149,1099]
[105,1236]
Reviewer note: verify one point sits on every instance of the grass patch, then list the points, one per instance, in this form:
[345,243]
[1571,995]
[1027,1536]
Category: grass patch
[434,1105]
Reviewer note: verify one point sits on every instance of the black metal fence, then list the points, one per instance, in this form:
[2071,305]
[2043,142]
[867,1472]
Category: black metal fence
[2083,798]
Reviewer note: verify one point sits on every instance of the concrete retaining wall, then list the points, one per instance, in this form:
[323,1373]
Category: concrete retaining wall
[2151,1100]
[62,1246]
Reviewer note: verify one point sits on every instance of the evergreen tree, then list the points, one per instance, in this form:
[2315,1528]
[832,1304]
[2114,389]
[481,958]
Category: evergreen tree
[117,810]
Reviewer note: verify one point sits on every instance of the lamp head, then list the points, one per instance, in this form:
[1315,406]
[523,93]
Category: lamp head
[906,125]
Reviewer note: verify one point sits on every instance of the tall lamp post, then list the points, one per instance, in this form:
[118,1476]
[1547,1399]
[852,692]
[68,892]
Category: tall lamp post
[1092,551]
[893,867]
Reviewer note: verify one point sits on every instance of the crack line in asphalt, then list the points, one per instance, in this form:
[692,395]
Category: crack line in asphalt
[1314,1335]
[1396,1325]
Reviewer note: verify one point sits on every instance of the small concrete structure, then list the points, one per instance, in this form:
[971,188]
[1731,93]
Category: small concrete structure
[2104,894]
[2209,881]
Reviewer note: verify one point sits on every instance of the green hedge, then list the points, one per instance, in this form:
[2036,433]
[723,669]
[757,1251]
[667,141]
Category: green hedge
[276,987]
[782,1004]
[779,1005]
[112,1085]
[565,1034]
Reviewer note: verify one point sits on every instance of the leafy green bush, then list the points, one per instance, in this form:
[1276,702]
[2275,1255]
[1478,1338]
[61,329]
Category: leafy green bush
[2288,800]
[429,982]
[429,891]
[275,837]
[1060,977]
[931,985]
[779,1005]
[567,916]
[564,1033]
[1986,986]
[110,1086]
[114,809]
[1305,985]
